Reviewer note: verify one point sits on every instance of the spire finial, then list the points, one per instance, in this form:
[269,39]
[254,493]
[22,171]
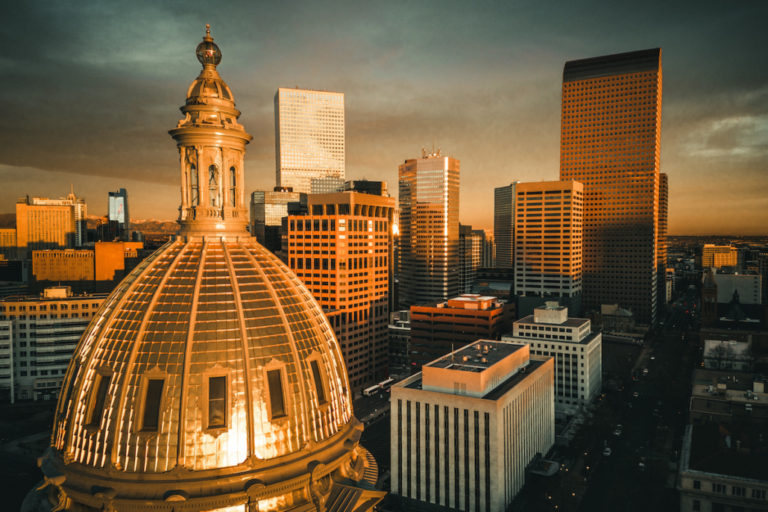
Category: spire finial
[208,31]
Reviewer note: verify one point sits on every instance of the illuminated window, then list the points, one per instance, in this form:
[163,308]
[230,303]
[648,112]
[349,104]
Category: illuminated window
[217,402]
[276,398]
[152,401]
[97,409]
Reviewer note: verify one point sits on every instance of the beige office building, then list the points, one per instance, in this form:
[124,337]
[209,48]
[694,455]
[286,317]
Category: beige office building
[429,229]
[577,351]
[464,429]
[716,256]
[44,331]
[43,223]
[548,239]
[309,137]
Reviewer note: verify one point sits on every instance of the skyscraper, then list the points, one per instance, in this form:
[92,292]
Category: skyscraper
[548,244]
[118,211]
[341,251]
[504,225]
[268,209]
[429,229]
[309,137]
[610,142]
[471,245]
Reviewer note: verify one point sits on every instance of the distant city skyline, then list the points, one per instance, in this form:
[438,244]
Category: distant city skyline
[489,95]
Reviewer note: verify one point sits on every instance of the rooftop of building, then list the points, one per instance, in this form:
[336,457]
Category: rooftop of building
[570,322]
[616,64]
[415,381]
[734,449]
[50,294]
[469,301]
[476,357]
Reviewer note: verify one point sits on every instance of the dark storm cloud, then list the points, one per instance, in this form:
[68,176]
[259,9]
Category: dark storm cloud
[91,88]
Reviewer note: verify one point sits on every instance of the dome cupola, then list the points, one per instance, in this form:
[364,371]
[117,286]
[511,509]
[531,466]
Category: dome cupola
[210,379]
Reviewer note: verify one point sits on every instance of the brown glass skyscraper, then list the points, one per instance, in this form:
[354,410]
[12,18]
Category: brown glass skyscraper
[610,142]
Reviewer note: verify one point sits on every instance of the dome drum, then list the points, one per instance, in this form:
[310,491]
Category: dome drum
[306,476]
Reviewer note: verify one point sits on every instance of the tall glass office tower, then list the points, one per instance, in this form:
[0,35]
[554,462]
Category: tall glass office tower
[309,137]
[429,229]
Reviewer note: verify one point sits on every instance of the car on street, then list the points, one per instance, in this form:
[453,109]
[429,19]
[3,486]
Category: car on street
[607,451]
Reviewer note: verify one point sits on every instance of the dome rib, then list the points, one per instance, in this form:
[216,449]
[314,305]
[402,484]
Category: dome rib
[180,451]
[115,451]
[288,332]
[244,344]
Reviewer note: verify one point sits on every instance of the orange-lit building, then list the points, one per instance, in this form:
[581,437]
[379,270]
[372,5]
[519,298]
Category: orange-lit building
[110,258]
[716,256]
[43,223]
[429,229]
[548,243]
[63,265]
[610,142]
[438,328]
[661,239]
[103,263]
[8,242]
[341,250]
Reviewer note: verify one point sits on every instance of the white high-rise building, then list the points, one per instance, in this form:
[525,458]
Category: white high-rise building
[309,137]
[578,353]
[464,429]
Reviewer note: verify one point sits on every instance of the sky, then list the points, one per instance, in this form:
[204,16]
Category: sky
[90,90]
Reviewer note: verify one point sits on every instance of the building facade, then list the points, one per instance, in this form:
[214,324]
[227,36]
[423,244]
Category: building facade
[548,243]
[268,209]
[504,224]
[118,213]
[341,250]
[429,229]
[610,142]
[716,256]
[440,327]
[463,430]
[577,352]
[748,287]
[43,223]
[44,331]
[309,137]
[471,245]
[8,244]
[400,342]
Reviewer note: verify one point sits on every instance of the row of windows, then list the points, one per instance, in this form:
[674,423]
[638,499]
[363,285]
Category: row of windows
[217,393]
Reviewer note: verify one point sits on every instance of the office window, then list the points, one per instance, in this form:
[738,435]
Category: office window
[217,402]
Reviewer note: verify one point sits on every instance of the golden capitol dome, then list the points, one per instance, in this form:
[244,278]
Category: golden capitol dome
[209,380]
